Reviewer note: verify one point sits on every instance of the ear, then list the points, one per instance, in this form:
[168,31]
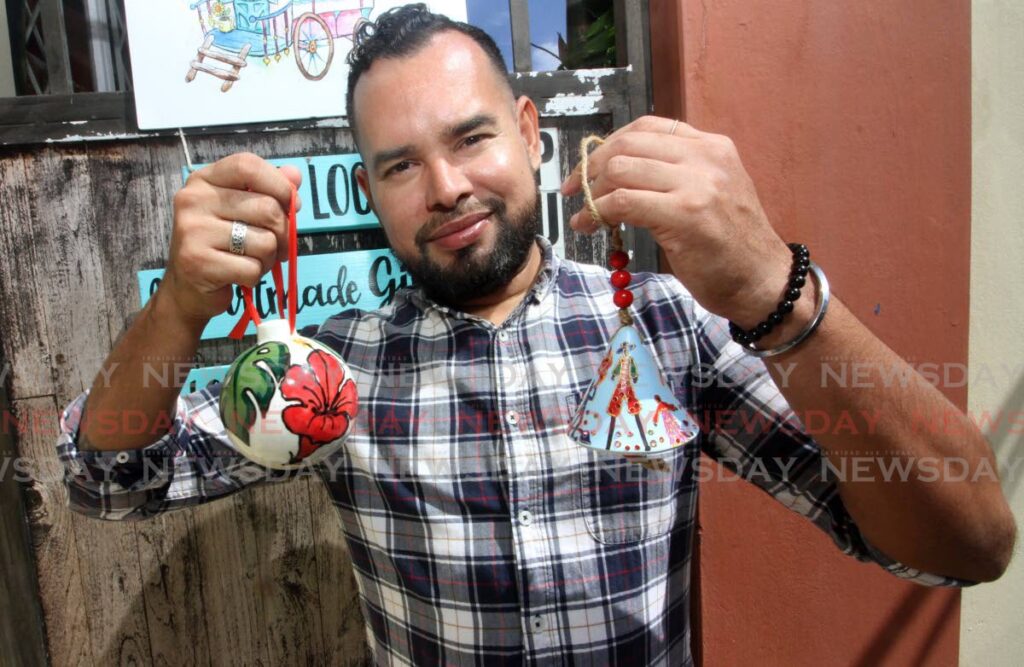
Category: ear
[363,179]
[529,128]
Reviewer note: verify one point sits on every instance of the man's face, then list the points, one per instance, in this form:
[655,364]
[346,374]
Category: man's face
[450,161]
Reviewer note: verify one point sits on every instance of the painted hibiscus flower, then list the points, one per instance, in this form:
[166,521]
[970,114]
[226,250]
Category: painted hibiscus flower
[327,401]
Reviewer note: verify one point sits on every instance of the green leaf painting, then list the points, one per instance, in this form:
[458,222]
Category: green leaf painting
[250,385]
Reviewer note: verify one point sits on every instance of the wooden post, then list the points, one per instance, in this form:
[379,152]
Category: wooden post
[58,64]
[519,17]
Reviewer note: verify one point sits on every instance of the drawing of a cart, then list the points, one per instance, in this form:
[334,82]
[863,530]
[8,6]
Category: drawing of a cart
[234,30]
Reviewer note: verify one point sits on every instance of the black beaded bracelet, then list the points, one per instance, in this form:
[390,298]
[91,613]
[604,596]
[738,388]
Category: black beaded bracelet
[797,279]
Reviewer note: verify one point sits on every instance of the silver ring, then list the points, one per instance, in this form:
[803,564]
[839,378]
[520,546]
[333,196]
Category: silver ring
[238,232]
[675,124]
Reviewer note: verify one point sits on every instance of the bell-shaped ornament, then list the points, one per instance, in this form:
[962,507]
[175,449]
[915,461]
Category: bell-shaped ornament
[628,409]
[288,401]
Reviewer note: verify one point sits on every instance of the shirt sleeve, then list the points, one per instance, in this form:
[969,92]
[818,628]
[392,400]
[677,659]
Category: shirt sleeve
[190,465]
[756,434]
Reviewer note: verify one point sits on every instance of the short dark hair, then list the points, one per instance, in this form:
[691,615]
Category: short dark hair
[403,31]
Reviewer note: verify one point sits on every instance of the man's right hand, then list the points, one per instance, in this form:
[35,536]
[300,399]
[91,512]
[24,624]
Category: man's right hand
[201,270]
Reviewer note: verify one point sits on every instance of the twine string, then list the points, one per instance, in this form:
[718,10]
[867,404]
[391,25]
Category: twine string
[614,229]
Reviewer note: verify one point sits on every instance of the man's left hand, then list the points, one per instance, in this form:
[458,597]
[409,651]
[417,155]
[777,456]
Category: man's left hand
[691,191]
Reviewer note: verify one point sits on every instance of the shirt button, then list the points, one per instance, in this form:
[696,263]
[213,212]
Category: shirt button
[503,335]
[525,518]
[512,417]
[537,623]
[122,457]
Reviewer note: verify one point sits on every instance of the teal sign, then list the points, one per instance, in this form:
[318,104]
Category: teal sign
[200,378]
[365,279]
[331,198]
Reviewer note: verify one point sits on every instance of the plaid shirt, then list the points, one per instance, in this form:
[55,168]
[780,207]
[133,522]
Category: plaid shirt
[479,533]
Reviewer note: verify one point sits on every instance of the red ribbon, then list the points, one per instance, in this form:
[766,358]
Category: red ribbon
[250,314]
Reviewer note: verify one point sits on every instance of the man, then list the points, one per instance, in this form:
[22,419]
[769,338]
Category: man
[479,532]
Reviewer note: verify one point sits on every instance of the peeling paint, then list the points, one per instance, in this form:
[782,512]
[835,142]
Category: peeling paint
[70,138]
[595,75]
[572,105]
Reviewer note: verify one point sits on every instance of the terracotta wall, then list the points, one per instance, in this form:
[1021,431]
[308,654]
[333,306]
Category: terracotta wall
[854,119]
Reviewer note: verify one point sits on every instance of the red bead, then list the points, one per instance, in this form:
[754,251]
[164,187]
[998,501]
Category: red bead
[620,279]
[618,259]
[623,298]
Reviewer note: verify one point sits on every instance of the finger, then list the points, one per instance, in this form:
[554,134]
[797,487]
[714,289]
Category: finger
[256,209]
[634,207]
[660,125]
[294,176]
[245,171]
[653,145]
[636,173]
[260,244]
[223,268]
[629,173]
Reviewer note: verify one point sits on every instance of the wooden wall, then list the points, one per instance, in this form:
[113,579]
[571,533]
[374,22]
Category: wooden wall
[259,578]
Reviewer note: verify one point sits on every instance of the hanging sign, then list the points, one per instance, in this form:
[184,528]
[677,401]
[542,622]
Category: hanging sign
[328,284]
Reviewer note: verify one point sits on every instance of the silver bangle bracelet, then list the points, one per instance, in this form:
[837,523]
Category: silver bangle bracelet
[819,315]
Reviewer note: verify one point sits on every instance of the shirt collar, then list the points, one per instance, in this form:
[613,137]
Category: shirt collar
[550,264]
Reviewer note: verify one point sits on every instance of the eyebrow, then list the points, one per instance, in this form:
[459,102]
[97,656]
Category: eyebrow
[383,157]
[470,124]
[450,132]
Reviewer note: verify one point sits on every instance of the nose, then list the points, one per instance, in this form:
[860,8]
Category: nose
[447,186]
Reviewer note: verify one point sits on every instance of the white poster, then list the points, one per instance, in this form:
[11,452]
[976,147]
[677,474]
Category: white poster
[207,62]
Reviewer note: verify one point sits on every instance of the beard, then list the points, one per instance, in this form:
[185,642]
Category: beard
[473,273]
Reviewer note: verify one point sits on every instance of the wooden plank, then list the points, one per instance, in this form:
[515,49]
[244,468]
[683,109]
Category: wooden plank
[288,569]
[222,608]
[173,590]
[519,17]
[72,300]
[65,251]
[25,341]
[62,597]
[22,634]
[124,178]
[233,584]
[30,109]
[635,16]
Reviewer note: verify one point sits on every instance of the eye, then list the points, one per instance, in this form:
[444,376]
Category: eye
[398,168]
[473,140]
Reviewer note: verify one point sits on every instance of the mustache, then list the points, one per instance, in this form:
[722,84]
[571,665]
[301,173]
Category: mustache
[494,206]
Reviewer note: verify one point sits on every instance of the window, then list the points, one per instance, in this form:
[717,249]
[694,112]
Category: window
[67,46]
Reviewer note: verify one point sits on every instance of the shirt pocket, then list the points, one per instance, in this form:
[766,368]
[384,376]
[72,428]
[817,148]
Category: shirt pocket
[623,501]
